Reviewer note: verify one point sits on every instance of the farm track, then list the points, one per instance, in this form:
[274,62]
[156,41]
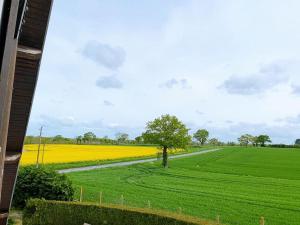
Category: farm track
[120,164]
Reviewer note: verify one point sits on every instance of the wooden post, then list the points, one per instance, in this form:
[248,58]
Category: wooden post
[218,219]
[122,200]
[149,204]
[39,147]
[180,210]
[81,194]
[100,199]
[262,220]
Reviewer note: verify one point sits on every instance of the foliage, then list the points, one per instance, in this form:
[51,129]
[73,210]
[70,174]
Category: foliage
[89,137]
[214,142]
[40,182]
[245,139]
[167,132]
[263,139]
[240,184]
[40,212]
[79,139]
[139,140]
[297,142]
[122,138]
[201,136]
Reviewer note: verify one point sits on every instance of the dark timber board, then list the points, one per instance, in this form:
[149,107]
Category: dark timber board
[33,33]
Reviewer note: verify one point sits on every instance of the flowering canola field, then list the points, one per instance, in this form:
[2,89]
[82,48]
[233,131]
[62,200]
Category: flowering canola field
[58,153]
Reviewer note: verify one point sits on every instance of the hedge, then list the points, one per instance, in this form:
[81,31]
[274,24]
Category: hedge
[43,212]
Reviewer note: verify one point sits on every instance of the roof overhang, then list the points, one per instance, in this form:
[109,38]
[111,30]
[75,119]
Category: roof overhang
[22,36]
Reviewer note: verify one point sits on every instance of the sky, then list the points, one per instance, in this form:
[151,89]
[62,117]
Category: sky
[232,67]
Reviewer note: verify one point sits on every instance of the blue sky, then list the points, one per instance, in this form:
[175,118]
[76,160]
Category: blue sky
[231,67]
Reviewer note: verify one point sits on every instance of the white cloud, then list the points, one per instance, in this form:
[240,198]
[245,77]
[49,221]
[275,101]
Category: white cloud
[108,103]
[176,83]
[267,77]
[296,89]
[104,54]
[109,82]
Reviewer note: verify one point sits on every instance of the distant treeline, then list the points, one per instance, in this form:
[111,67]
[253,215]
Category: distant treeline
[200,138]
[87,138]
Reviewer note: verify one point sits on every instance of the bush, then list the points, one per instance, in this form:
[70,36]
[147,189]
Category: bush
[41,212]
[41,183]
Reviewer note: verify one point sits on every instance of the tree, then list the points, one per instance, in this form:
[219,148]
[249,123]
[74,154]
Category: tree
[263,139]
[89,137]
[246,139]
[167,132]
[201,136]
[254,141]
[139,140]
[58,139]
[214,142]
[122,137]
[79,139]
[297,142]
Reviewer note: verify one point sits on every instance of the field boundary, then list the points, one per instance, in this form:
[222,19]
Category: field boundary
[40,212]
[129,163]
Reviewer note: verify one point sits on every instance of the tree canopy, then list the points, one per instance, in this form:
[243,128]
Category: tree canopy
[246,139]
[167,132]
[263,139]
[201,136]
[122,137]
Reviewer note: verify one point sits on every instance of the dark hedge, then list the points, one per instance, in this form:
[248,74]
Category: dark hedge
[42,212]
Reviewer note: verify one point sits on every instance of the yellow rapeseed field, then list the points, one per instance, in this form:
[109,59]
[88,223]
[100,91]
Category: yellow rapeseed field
[58,153]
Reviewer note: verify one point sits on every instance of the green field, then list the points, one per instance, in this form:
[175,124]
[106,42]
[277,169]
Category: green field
[239,184]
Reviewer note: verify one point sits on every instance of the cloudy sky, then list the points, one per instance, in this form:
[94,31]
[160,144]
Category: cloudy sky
[231,67]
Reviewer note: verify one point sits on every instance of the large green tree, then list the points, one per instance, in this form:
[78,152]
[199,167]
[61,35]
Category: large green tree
[168,132]
[89,137]
[122,137]
[263,139]
[246,139]
[201,136]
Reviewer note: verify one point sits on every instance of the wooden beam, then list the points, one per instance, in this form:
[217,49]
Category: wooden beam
[12,158]
[4,215]
[29,53]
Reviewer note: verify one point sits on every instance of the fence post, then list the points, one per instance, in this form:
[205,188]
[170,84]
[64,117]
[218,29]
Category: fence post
[218,219]
[81,194]
[262,220]
[122,199]
[100,199]
[180,210]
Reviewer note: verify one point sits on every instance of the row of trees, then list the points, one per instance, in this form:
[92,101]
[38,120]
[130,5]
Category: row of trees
[248,139]
[167,132]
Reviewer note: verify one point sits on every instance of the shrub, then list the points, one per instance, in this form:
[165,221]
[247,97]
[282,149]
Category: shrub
[41,183]
[41,212]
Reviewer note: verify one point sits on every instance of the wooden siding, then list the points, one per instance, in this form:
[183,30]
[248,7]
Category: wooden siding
[27,62]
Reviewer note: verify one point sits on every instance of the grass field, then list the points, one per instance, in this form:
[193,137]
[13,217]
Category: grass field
[239,184]
[56,153]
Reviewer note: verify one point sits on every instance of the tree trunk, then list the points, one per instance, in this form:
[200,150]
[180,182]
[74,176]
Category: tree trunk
[165,157]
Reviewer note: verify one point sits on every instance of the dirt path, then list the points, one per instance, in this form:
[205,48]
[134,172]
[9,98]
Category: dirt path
[119,164]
